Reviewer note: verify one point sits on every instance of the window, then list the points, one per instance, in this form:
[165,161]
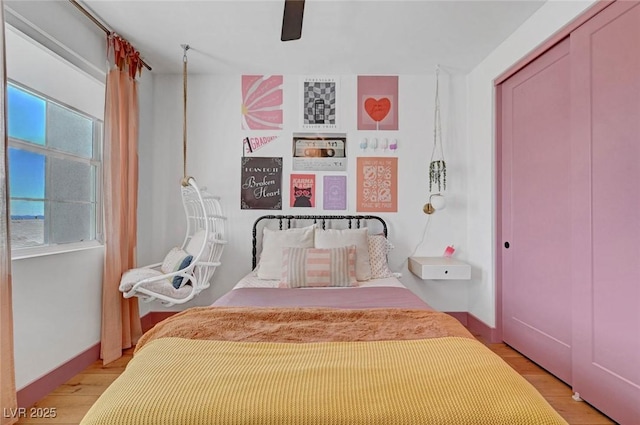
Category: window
[54,171]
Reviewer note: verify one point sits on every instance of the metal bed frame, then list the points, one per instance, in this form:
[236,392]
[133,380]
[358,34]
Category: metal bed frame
[323,219]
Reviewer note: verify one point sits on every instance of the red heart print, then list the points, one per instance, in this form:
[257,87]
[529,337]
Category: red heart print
[377,108]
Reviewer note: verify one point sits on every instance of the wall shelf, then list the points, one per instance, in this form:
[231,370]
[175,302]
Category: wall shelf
[439,268]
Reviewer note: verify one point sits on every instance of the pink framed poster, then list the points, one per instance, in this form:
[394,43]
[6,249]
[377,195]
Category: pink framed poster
[377,184]
[303,190]
[261,102]
[377,102]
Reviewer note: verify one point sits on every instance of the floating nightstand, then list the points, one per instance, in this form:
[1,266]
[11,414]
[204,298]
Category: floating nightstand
[439,268]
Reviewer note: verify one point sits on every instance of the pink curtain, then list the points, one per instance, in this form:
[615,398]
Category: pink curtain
[8,400]
[120,317]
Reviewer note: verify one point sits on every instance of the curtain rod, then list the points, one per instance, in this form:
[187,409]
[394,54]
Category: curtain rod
[99,24]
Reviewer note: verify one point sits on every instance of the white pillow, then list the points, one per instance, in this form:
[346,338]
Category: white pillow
[332,238]
[175,260]
[273,241]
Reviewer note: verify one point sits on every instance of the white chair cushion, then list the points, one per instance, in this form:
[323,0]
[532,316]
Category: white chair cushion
[133,276]
[164,286]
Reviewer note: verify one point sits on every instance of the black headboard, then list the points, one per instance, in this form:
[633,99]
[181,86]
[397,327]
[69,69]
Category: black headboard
[285,221]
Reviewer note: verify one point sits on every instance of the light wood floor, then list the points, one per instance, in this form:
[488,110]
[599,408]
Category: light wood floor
[73,399]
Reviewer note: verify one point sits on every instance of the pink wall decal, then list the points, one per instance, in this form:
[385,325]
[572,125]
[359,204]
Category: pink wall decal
[377,102]
[261,102]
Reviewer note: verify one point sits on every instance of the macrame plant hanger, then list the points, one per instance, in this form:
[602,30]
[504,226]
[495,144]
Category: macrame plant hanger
[437,165]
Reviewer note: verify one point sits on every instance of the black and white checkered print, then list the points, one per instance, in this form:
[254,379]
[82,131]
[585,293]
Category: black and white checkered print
[325,91]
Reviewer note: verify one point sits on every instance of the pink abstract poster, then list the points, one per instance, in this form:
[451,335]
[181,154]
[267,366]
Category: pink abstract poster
[377,102]
[262,102]
[377,184]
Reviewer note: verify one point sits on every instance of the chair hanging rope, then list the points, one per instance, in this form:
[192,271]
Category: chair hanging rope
[185,179]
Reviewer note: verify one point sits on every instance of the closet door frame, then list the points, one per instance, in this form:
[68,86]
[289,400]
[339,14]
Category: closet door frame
[534,54]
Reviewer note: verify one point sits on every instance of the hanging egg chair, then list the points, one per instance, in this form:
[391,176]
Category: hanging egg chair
[186,270]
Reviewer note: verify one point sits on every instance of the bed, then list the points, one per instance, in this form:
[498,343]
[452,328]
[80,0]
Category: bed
[296,350]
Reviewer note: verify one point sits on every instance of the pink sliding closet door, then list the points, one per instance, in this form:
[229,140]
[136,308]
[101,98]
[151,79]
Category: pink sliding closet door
[605,59]
[535,224]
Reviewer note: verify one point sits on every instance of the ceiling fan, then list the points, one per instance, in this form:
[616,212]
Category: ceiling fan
[292,20]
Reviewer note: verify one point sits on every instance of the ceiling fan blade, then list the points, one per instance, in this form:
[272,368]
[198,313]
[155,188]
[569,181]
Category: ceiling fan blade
[292,20]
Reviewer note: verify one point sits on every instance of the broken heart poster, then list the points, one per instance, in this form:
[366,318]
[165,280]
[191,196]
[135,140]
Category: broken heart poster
[377,102]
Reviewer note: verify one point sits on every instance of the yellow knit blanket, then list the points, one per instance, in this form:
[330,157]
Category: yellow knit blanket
[441,381]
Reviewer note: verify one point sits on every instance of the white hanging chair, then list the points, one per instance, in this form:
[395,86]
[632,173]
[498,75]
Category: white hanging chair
[187,270]
[204,242]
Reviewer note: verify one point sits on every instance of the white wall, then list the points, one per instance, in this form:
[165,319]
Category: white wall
[215,149]
[63,29]
[145,181]
[36,67]
[551,17]
[56,310]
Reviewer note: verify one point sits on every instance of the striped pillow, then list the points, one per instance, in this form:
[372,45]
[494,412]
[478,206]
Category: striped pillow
[313,267]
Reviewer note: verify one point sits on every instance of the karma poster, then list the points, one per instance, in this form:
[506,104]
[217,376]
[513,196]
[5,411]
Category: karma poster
[334,190]
[377,184]
[377,102]
[261,184]
[303,190]
[261,102]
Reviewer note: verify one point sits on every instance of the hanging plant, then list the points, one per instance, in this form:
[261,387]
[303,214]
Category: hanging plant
[437,167]
[438,175]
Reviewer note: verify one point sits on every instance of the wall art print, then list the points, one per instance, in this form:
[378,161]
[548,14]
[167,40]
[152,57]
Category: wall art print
[261,183]
[377,102]
[252,144]
[319,152]
[261,102]
[303,190]
[319,109]
[334,189]
[377,183]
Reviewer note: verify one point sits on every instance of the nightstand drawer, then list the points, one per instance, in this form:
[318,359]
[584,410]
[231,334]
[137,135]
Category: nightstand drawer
[438,268]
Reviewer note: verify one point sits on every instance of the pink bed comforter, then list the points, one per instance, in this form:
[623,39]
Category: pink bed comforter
[354,298]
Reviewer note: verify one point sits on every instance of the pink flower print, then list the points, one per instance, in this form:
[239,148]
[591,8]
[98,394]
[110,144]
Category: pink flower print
[261,102]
